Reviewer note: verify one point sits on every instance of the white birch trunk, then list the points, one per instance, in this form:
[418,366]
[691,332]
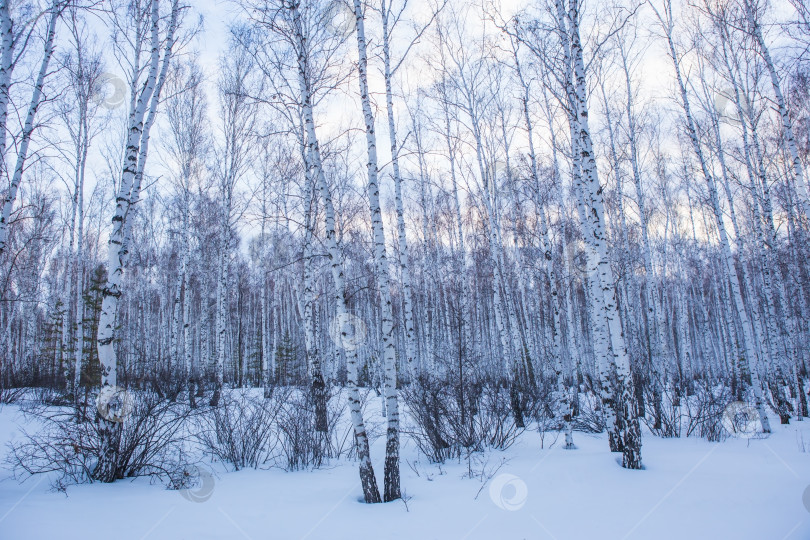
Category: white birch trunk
[118,241]
[629,427]
[368,481]
[78,289]
[6,68]
[731,272]
[188,358]
[391,486]
[28,125]
[404,255]
[787,127]
[654,310]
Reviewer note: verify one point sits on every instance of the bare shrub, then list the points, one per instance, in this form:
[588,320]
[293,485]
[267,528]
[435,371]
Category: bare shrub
[664,418]
[704,410]
[152,442]
[302,445]
[495,421]
[240,430]
[46,395]
[437,419]
[589,418]
[167,383]
[546,412]
[454,418]
[11,395]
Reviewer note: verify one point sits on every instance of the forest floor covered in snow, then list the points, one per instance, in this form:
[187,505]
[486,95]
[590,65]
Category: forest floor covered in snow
[690,488]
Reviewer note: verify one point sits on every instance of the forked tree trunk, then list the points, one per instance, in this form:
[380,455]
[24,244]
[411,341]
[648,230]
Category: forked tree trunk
[391,487]
[368,481]
[134,161]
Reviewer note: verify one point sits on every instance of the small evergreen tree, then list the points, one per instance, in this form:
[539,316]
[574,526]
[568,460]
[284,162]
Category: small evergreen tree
[286,355]
[91,367]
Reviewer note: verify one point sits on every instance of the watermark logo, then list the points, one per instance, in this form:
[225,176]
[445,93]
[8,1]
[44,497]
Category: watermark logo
[726,108]
[497,169]
[806,498]
[203,482]
[741,420]
[112,91]
[577,259]
[114,404]
[508,492]
[339,18]
[348,331]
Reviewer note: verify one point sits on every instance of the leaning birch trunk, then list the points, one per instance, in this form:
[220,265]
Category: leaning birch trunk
[369,483]
[629,424]
[787,128]
[107,467]
[548,264]
[728,259]
[404,258]
[110,432]
[391,487]
[28,126]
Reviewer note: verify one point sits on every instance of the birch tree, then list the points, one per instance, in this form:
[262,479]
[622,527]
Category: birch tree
[391,489]
[238,113]
[186,110]
[52,15]
[307,72]
[143,108]
[667,23]
[79,115]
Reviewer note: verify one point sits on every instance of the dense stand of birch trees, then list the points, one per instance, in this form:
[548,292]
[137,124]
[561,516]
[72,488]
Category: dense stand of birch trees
[604,200]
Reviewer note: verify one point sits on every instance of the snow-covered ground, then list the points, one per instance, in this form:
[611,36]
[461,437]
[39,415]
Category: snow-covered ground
[690,489]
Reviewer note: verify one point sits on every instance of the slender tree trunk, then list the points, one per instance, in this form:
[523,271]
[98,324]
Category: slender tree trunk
[404,255]
[731,272]
[391,490]
[134,161]
[369,483]
[787,127]
[28,126]
[592,190]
